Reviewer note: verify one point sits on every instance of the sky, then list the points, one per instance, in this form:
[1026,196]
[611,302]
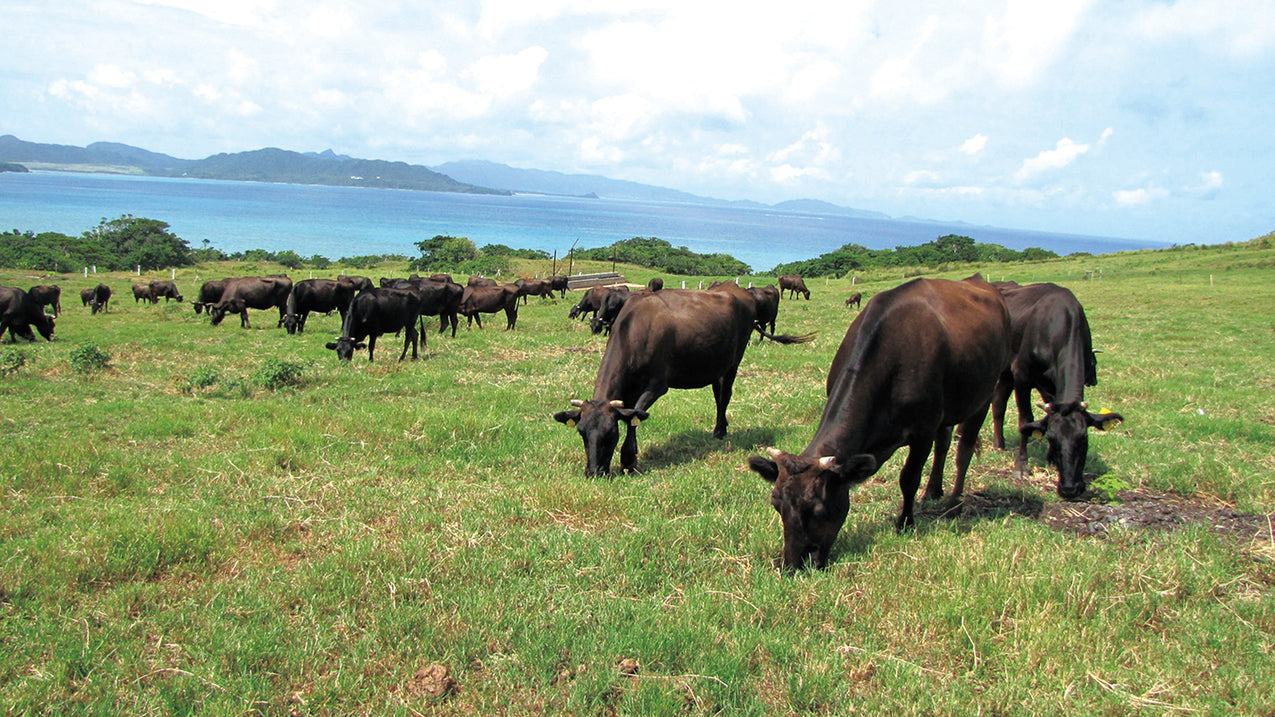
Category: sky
[1143,119]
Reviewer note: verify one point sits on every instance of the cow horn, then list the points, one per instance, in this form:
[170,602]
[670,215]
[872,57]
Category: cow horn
[774,452]
[577,402]
[1084,405]
[618,404]
[827,462]
[1043,406]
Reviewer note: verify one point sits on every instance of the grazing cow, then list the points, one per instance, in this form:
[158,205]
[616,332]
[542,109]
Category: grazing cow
[442,278]
[1053,354]
[764,298]
[101,299]
[793,284]
[612,301]
[209,293]
[86,296]
[438,298]
[488,300]
[559,284]
[324,295]
[19,312]
[142,292]
[166,289]
[481,281]
[592,301]
[251,292]
[47,295]
[661,340]
[918,360]
[655,284]
[534,287]
[361,283]
[855,298]
[375,312]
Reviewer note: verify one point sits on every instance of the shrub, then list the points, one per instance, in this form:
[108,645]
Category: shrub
[11,359]
[276,373]
[89,358]
[204,377]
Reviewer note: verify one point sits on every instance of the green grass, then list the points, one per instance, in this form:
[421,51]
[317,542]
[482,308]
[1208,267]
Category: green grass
[183,531]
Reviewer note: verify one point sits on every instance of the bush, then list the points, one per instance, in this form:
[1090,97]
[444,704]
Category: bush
[11,359]
[204,377]
[275,374]
[89,358]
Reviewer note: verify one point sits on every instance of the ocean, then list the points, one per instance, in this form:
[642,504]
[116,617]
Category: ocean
[338,222]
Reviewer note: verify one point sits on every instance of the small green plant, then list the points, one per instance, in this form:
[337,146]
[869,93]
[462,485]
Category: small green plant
[203,377]
[11,359]
[1108,485]
[276,373]
[89,358]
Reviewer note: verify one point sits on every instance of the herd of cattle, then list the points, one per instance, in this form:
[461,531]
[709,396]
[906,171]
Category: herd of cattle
[918,361]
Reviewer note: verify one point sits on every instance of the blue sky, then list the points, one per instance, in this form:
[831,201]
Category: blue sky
[1140,118]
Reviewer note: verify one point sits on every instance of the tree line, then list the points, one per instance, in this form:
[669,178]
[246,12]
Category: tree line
[951,248]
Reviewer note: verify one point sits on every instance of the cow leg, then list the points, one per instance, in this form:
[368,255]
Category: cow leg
[1000,400]
[477,316]
[511,314]
[722,389]
[629,450]
[1023,399]
[965,449]
[409,337]
[244,323]
[942,441]
[910,480]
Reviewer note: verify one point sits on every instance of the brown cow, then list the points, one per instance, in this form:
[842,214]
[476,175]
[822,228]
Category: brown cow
[765,301]
[592,300]
[534,287]
[661,340]
[481,281]
[166,289]
[47,295]
[251,292]
[19,312]
[101,299]
[488,300]
[855,298]
[142,292]
[793,284]
[919,359]
[209,293]
[1053,354]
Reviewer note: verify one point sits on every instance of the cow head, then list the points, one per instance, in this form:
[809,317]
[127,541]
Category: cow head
[44,324]
[1066,427]
[199,307]
[598,423]
[218,311]
[812,497]
[291,322]
[345,347]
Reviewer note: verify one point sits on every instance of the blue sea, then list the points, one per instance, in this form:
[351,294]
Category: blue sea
[337,222]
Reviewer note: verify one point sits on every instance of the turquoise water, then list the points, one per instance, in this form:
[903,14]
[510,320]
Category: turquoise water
[346,221]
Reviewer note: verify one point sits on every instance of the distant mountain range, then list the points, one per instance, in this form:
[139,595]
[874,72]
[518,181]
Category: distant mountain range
[329,168]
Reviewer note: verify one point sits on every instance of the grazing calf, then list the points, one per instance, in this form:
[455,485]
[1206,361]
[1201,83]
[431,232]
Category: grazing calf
[376,312]
[793,284]
[252,292]
[86,296]
[47,295]
[19,312]
[101,299]
[854,299]
[488,300]
[919,359]
[1053,354]
[661,340]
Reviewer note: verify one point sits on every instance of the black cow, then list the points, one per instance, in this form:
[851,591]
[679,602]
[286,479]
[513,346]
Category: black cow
[655,284]
[765,302]
[854,298]
[19,312]
[142,292]
[481,281]
[592,301]
[323,295]
[488,300]
[251,292]
[101,299]
[559,284]
[166,289]
[614,300]
[209,293]
[793,284]
[438,298]
[918,360]
[376,312]
[47,295]
[361,283]
[86,296]
[661,340]
[534,287]
[1053,354]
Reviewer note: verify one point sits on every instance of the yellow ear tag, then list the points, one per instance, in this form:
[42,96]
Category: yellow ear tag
[571,423]
[1037,434]
[634,423]
[1105,410]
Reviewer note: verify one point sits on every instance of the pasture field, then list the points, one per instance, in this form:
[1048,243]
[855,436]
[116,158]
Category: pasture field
[187,530]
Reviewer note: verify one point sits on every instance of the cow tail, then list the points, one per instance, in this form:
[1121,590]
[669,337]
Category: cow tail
[788,338]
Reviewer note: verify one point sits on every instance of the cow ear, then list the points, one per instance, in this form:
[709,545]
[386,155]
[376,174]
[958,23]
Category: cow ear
[764,467]
[571,418]
[1104,420]
[360,346]
[1035,429]
[857,468]
[633,416]
[332,345]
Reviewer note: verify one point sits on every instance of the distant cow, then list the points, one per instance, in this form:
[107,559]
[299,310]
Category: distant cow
[361,283]
[209,293]
[1053,354]
[86,296]
[592,301]
[101,299]
[481,281]
[142,292]
[323,295]
[167,290]
[559,284]
[661,340]
[612,302]
[655,284]
[919,359]
[438,298]
[765,300]
[373,313]
[793,284]
[19,312]
[47,295]
[534,287]
[488,300]
[251,292]
[854,299]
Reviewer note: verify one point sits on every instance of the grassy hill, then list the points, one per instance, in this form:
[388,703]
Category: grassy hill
[419,537]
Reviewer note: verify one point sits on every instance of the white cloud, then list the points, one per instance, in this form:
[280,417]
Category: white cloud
[974,145]
[1063,154]
[1242,28]
[246,13]
[505,75]
[1138,197]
